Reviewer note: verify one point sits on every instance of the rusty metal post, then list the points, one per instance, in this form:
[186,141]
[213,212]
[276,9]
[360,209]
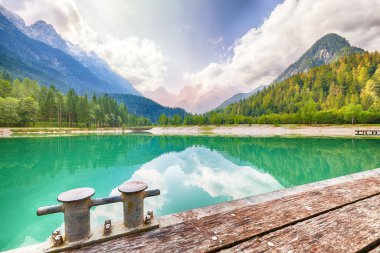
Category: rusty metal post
[76,208]
[132,195]
[76,205]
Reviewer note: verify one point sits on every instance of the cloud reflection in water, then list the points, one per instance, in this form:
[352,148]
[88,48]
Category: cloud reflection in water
[193,178]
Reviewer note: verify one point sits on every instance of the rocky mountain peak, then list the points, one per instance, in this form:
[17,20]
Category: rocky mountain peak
[46,33]
[15,19]
[323,51]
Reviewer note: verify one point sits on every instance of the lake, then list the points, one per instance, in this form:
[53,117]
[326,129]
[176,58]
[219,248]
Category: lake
[191,172]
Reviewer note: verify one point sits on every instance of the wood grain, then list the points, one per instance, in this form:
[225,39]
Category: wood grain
[353,228]
[226,229]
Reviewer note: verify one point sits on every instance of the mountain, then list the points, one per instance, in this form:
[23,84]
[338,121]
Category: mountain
[145,107]
[195,99]
[161,96]
[240,96]
[327,49]
[191,98]
[54,61]
[344,91]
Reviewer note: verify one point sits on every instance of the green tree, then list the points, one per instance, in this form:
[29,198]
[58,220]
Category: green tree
[376,87]
[9,111]
[177,120]
[84,110]
[309,111]
[18,90]
[163,120]
[60,108]
[71,106]
[28,110]
[5,88]
[352,112]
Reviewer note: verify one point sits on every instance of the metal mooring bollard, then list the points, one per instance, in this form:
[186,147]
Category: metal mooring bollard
[133,194]
[76,206]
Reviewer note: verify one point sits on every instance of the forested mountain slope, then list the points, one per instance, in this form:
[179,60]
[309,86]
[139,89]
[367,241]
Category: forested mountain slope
[26,103]
[341,91]
[240,96]
[145,107]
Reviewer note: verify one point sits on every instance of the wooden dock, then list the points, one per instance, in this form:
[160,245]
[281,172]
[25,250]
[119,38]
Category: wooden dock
[337,215]
[139,129]
[367,132]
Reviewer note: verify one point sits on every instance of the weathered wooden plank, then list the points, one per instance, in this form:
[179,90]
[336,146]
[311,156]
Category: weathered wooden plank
[172,219]
[225,229]
[353,228]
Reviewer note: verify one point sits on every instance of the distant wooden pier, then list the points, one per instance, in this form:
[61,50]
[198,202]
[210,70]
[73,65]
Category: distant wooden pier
[336,215]
[139,129]
[367,132]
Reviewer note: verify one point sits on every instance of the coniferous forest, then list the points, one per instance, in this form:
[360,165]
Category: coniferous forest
[26,103]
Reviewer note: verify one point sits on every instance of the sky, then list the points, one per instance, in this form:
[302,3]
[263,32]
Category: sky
[203,50]
[153,43]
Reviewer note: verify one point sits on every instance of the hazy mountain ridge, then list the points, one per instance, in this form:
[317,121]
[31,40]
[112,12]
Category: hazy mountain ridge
[240,96]
[161,96]
[145,107]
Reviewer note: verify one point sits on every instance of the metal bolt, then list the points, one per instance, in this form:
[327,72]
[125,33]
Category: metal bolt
[57,240]
[150,212]
[107,227]
[147,219]
[56,232]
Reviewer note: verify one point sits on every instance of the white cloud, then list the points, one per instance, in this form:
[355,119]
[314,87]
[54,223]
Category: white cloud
[139,60]
[264,52]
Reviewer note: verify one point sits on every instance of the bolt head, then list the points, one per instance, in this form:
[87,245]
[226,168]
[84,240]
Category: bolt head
[147,219]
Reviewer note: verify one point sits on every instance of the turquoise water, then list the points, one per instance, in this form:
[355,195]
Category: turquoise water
[190,171]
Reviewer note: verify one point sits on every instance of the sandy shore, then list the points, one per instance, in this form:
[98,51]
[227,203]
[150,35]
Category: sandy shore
[241,130]
[264,130]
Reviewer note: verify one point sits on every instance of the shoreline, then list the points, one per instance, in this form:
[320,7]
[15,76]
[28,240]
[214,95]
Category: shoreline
[226,130]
